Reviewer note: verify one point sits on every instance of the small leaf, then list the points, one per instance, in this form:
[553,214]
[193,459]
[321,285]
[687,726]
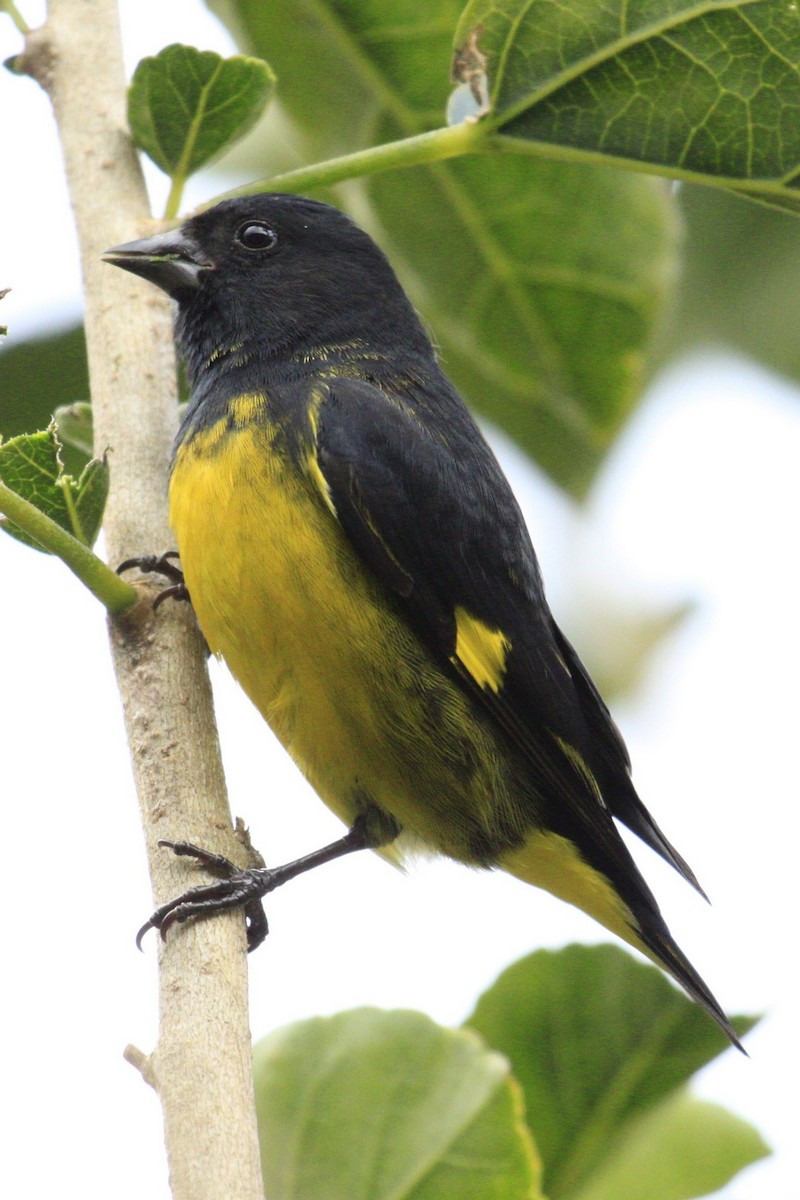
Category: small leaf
[595,1039]
[91,494]
[75,427]
[683,1148]
[388,1106]
[31,466]
[709,89]
[186,106]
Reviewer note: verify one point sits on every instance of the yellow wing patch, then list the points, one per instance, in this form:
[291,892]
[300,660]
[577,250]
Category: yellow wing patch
[481,649]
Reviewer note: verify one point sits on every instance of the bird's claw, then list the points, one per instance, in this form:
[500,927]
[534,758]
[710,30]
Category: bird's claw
[160,564]
[235,888]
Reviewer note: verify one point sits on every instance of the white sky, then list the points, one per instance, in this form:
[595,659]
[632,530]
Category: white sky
[700,501]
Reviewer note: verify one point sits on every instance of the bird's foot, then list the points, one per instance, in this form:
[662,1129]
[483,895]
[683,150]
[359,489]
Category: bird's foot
[237,887]
[245,887]
[160,564]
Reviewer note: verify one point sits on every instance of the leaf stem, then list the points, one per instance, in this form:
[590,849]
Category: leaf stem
[433,146]
[8,6]
[102,582]
[172,207]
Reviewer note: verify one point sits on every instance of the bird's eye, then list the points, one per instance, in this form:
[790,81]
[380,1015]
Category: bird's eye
[255,235]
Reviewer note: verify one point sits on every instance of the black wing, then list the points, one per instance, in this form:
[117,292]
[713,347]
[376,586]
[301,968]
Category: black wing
[426,506]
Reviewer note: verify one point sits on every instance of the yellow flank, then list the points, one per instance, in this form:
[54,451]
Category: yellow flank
[481,649]
[550,861]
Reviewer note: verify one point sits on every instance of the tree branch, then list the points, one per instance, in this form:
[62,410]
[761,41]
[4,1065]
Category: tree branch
[201,1066]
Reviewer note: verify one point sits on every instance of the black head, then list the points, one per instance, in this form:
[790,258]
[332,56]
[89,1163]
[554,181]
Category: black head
[290,273]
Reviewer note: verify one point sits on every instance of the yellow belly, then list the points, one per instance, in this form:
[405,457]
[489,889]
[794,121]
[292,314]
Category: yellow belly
[316,644]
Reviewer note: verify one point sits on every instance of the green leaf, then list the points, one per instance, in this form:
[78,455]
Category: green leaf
[595,1039]
[683,1148]
[90,495]
[701,90]
[31,466]
[543,282]
[371,1105]
[186,106]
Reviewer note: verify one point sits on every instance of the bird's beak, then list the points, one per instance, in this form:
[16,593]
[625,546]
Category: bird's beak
[170,260]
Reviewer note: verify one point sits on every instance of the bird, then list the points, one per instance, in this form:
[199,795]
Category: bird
[355,554]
